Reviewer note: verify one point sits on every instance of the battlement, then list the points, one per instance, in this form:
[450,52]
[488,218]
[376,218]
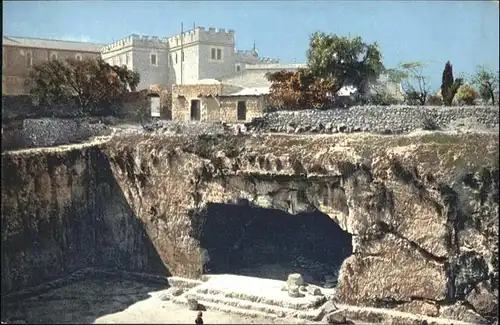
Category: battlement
[269,60]
[212,34]
[253,57]
[135,40]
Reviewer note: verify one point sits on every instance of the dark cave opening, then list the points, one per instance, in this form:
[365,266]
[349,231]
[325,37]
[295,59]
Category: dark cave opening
[268,243]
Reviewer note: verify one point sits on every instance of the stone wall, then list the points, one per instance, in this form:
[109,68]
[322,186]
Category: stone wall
[229,108]
[375,119]
[21,107]
[35,133]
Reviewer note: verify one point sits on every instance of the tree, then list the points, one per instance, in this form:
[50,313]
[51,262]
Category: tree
[300,90]
[449,86]
[487,81]
[466,94]
[349,60]
[414,83]
[96,87]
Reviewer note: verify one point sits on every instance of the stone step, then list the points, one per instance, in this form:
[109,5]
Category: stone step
[255,306]
[185,283]
[291,303]
[227,309]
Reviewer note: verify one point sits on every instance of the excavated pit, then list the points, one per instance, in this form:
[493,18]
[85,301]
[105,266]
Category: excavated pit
[423,211]
[246,240]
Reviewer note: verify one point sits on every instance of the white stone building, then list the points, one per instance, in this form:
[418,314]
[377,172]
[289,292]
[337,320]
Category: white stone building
[195,55]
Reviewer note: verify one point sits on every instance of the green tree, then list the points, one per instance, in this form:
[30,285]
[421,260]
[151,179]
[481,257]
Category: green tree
[349,60]
[487,81]
[300,90]
[415,84]
[449,85]
[95,86]
[466,94]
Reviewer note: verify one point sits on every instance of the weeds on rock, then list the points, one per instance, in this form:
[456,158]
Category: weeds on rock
[429,124]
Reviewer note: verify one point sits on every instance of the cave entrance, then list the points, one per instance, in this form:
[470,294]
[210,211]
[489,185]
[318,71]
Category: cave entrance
[269,243]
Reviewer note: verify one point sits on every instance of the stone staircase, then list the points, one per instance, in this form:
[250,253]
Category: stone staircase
[243,296]
[257,297]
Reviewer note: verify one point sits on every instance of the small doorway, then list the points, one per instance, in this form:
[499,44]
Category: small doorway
[195,110]
[242,111]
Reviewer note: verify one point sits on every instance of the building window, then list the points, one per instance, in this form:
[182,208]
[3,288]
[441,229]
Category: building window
[238,68]
[182,56]
[120,60]
[175,58]
[29,59]
[126,59]
[153,59]
[171,61]
[216,54]
[78,57]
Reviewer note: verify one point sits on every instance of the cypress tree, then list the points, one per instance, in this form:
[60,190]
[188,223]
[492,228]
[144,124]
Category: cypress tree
[449,86]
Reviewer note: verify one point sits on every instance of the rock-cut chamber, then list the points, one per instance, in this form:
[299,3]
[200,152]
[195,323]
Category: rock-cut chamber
[268,243]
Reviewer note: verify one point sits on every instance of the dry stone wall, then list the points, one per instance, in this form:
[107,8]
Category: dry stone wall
[394,119]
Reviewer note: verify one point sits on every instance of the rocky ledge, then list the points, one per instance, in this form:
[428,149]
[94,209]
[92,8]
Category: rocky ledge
[422,208]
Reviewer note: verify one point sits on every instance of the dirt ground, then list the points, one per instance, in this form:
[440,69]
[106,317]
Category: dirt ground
[106,301]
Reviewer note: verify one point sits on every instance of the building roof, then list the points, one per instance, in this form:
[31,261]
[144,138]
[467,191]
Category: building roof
[257,91]
[51,44]
[346,91]
[204,82]
[275,66]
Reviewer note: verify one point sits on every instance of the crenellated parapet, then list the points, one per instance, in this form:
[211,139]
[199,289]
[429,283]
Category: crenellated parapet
[269,60]
[200,34]
[136,41]
[252,57]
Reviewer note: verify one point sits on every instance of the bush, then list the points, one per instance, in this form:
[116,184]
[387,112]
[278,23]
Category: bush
[414,98]
[434,100]
[429,124]
[383,98]
[466,94]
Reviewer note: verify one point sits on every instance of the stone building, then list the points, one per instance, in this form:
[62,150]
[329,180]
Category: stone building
[188,57]
[210,100]
[20,54]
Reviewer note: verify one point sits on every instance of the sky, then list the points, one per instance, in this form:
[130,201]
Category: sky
[463,32]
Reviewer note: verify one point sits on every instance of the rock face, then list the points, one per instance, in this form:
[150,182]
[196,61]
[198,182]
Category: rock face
[423,209]
[60,213]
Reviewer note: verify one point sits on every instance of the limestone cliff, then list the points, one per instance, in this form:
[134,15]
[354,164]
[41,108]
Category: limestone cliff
[423,209]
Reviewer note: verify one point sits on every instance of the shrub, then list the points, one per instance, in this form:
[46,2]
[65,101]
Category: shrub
[466,94]
[429,124]
[434,100]
[414,98]
[383,98]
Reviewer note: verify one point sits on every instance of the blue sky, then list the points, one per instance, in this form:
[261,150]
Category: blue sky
[464,32]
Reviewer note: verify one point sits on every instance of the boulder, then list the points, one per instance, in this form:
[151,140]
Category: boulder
[295,279]
[336,318]
[483,299]
[293,291]
[328,308]
[193,304]
[313,290]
